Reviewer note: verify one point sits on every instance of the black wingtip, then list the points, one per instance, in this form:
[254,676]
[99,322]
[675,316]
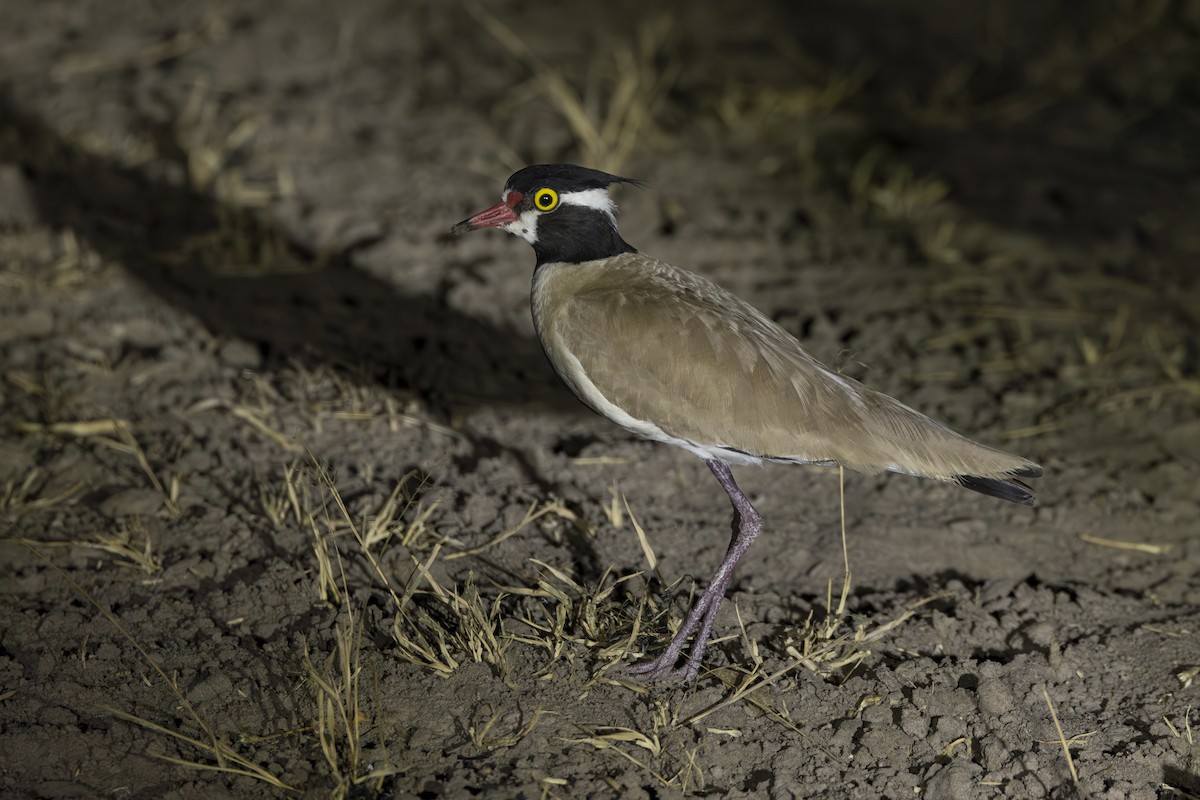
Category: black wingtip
[1012,490]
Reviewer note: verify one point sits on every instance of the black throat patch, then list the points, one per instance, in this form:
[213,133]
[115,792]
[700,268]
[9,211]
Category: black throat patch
[574,234]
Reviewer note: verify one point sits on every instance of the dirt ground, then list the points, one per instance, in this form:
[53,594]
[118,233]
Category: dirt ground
[293,505]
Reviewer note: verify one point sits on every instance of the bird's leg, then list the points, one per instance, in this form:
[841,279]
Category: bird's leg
[747,523]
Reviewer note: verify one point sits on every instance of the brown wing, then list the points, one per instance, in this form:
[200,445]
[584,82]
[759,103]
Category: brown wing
[674,349]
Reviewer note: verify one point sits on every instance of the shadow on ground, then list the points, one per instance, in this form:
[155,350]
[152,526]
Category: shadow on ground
[315,307]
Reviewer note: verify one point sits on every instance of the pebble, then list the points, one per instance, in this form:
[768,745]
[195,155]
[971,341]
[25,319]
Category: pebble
[880,714]
[949,729]
[215,687]
[951,703]
[58,716]
[132,502]
[33,324]
[144,334]
[886,744]
[956,780]
[241,354]
[847,729]
[996,754]
[1041,634]
[914,723]
[995,697]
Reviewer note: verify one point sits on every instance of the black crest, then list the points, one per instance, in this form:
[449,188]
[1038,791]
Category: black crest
[563,178]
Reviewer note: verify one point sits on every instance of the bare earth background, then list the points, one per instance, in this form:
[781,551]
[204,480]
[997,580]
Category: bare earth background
[289,491]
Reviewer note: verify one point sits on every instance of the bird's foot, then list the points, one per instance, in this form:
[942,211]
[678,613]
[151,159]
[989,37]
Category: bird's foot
[699,621]
[664,668]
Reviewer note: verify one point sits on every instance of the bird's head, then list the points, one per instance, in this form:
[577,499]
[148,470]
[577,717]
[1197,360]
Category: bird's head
[564,211]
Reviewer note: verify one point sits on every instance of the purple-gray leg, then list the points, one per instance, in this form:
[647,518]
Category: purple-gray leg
[747,523]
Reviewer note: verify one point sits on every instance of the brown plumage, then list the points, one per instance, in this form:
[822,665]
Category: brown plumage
[672,356]
[674,349]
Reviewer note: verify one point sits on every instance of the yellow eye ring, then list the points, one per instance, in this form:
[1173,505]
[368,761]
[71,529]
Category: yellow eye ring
[545,199]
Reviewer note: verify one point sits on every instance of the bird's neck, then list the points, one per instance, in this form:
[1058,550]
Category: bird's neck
[575,235]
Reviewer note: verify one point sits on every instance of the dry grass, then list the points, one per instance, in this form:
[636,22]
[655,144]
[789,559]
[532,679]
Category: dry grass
[1112,371]
[213,28]
[1124,353]
[893,192]
[242,246]
[484,739]
[1018,290]
[433,625]
[307,495]
[27,495]
[665,752]
[216,753]
[211,146]
[41,258]
[117,435]
[1117,544]
[616,110]
[210,137]
[341,723]
[590,617]
[1027,292]
[563,612]
[439,624]
[801,110]
[743,106]
[129,544]
[825,647]
[1055,74]
[536,511]
[1187,727]
[330,394]
[475,626]
[620,740]
[1066,746]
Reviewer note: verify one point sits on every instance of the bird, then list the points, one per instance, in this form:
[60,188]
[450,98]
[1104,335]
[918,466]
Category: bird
[671,356]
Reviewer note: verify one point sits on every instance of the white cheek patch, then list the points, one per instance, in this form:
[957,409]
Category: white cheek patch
[525,227]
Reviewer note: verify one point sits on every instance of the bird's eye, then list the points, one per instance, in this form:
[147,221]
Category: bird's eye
[545,199]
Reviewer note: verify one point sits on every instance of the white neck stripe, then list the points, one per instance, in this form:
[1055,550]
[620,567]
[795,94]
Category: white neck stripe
[590,198]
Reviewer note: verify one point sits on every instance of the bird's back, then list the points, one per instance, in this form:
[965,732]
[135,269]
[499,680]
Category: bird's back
[674,353]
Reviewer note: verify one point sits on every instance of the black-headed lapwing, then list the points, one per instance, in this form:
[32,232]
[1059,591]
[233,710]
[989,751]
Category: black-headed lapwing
[673,357]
